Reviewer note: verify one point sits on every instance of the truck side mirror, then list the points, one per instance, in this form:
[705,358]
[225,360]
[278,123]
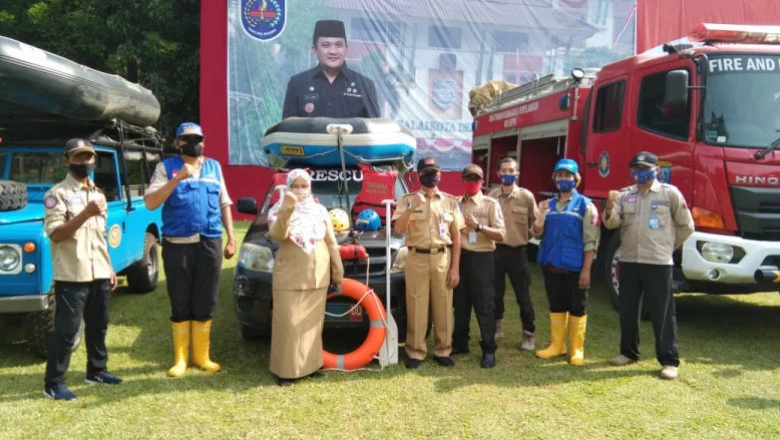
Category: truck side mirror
[676,92]
[247,205]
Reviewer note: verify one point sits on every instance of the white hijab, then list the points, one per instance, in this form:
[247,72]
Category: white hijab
[307,224]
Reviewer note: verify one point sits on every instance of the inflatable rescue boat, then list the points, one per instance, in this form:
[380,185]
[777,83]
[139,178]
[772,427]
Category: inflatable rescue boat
[314,141]
[35,82]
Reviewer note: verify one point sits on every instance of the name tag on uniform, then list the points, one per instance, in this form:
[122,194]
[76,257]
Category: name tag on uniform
[653,222]
[442,229]
[472,237]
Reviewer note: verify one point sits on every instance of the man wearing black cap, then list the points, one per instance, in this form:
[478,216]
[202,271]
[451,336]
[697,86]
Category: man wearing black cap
[432,223]
[484,227]
[75,222]
[654,220]
[330,89]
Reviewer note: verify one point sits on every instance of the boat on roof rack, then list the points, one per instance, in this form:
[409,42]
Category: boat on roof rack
[36,83]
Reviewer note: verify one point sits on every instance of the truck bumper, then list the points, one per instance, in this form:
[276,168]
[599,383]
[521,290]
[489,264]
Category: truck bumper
[22,304]
[755,255]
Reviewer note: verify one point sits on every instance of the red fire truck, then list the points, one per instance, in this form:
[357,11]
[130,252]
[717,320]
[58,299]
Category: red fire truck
[710,111]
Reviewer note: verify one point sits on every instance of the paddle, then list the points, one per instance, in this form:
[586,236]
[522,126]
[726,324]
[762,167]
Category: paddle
[389,353]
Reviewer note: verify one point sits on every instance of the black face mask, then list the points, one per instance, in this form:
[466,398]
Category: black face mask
[82,170]
[193,149]
[430,180]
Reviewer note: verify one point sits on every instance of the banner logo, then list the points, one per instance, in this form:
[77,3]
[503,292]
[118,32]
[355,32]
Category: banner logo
[264,19]
[444,92]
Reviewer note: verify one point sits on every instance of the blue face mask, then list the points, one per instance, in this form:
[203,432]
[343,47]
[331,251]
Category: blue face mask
[643,176]
[565,185]
[507,179]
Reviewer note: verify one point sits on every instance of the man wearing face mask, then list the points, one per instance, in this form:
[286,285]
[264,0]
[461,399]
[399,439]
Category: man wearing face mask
[568,226]
[654,220]
[432,223]
[196,205]
[75,222]
[519,208]
[330,89]
[484,228]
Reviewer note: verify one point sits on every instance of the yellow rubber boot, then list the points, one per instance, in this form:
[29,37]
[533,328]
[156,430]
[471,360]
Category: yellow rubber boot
[577,325]
[181,348]
[557,346]
[201,342]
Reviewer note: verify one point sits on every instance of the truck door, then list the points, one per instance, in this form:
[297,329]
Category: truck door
[106,177]
[668,131]
[608,138]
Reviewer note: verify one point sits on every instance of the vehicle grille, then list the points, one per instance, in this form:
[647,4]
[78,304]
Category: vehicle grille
[757,211]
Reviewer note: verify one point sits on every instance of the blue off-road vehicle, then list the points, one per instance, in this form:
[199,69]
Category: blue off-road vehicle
[30,166]
[44,101]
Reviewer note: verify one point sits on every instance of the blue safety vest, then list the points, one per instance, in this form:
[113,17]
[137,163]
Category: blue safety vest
[193,206]
[562,245]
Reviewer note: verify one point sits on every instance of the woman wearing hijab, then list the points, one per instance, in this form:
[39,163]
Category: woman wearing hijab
[307,262]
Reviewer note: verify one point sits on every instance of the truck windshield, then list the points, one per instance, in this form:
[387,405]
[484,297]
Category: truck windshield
[742,103]
[37,167]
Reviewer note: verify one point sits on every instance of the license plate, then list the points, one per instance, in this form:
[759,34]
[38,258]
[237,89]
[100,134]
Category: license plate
[292,151]
[341,308]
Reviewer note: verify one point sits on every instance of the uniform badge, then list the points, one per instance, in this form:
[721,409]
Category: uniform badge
[309,107]
[50,202]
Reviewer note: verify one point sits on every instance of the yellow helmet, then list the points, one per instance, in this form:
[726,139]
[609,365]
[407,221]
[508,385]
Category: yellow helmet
[340,220]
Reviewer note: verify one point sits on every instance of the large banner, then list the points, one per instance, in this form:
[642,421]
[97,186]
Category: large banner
[422,58]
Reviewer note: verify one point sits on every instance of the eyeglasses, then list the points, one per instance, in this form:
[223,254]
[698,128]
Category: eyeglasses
[190,138]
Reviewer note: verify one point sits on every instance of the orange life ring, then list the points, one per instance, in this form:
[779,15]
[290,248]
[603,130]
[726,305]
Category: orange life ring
[376,332]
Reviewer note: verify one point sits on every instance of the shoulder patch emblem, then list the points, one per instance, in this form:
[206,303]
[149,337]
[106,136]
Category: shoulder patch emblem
[50,202]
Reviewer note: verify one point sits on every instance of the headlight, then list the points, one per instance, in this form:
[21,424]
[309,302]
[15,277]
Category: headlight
[255,257]
[10,258]
[717,252]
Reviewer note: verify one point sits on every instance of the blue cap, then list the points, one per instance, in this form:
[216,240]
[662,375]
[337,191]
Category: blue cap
[189,128]
[567,165]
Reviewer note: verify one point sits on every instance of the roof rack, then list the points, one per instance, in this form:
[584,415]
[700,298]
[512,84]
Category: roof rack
[546,85]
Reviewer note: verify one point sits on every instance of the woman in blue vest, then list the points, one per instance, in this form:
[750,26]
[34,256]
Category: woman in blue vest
[569,231]
[196,205]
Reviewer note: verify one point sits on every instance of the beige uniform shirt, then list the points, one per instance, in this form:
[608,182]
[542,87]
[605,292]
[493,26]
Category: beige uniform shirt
[651,226]
[84,256]
[294,269]
[520,211]
[591,231]
[431,222]
[160,178]
[487,212]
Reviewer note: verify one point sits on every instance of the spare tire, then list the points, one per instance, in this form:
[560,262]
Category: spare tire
[13,195]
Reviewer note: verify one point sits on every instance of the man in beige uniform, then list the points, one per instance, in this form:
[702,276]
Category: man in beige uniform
[484,227]
[75,222]
[519,208]
[432,223]
[654,220]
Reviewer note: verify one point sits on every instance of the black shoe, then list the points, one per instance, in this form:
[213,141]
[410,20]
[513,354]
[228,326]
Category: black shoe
[412,363]
[488,360]
[460,350]
[315,375]
[284,382]
[444,361]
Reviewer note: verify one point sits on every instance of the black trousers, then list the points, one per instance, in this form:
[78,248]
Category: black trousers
[77,301]
[513,261]
[476,288]
[656,282]
[564,293]
[192,271]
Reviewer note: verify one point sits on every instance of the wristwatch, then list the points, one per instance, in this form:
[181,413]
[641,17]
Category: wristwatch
[480,227]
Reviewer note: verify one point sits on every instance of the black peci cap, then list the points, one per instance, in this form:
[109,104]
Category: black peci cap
[329,28]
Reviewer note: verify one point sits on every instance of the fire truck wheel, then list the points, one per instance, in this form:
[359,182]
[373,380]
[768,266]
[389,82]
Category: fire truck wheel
[612,269]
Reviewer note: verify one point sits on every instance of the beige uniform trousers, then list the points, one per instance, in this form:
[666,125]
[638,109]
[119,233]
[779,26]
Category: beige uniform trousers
[426,285]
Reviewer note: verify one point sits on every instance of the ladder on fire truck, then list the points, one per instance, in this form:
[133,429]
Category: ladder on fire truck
[538,87]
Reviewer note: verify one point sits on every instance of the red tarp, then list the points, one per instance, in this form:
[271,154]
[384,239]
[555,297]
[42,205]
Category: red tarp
[661,21]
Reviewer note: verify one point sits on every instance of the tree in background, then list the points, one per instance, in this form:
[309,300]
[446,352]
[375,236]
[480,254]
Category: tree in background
[154,43]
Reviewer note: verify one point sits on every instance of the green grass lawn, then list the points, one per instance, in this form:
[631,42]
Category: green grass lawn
[729,384]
